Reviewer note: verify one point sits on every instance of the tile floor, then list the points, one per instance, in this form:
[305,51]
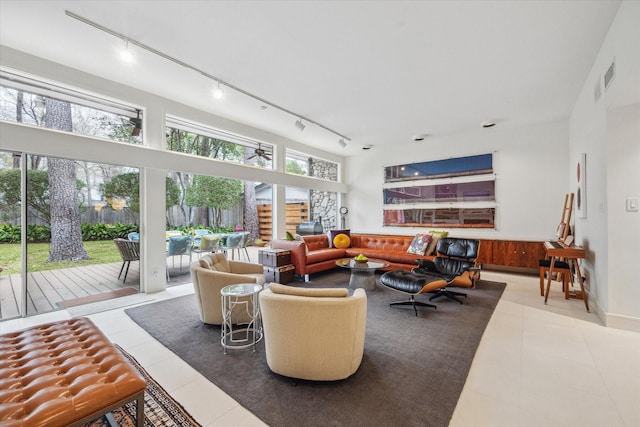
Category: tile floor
[536,365]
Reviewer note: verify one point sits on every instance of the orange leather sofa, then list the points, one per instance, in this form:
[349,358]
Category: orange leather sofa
[312,254]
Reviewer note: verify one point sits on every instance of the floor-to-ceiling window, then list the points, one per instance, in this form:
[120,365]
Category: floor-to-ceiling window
[59,216]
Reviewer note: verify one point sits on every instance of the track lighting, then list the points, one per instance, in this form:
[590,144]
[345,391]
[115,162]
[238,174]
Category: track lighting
[300,125]
[217,92]
[126,54]
[342,143]
[137,124]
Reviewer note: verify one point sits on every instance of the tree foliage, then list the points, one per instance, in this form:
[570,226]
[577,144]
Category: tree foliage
[215,193]
[295,168]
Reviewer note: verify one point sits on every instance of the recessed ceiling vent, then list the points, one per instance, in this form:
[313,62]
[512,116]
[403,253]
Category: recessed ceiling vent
[610,74]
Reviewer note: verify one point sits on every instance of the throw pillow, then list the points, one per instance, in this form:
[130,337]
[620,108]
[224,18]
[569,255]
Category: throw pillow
[341,241]
[334,233]
[419,244]
[431,249]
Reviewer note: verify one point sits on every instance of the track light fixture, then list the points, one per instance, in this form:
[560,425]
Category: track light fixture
[126,54]
[137,124]
[342,143]
[203,73]
[217,92]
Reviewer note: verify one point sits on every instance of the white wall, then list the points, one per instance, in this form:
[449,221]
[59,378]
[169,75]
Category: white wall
[531,178]
[608,133]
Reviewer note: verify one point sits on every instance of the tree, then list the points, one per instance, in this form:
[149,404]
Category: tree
[294,167]
[66,235]
[213,192]
[251,221]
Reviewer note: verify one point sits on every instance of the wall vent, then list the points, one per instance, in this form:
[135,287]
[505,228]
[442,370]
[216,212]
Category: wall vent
[610,74]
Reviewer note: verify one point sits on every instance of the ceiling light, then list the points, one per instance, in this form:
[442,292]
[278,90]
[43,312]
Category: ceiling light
[300,125]
[488,124]
[342,143]
[137,124]
[126,54]
[217,92]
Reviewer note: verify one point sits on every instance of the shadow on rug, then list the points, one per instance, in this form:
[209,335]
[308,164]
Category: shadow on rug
[160,409]
[412,372]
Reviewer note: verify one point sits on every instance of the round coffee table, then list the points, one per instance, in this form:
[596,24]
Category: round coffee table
[238,297]
[362,273]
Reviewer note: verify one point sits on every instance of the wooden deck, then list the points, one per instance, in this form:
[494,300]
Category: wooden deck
[57,289]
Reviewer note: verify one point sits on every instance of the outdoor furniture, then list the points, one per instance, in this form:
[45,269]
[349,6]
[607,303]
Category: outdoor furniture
[64,373]
[208,243]
[178,246]
[129,251]
[133,236]
[235,242]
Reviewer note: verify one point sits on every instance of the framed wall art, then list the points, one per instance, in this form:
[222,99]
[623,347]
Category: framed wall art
[456,192]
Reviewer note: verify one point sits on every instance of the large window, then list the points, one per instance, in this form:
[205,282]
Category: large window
[304,164]
[36,102]
[191,138]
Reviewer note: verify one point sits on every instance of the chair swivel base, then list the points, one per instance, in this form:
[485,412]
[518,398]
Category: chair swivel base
[412,301]
[449,294]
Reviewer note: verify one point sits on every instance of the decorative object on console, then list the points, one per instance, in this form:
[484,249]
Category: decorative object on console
[419,244]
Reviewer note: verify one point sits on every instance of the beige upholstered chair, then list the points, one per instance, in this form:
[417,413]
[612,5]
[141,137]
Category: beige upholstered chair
[313,334]
[213,272]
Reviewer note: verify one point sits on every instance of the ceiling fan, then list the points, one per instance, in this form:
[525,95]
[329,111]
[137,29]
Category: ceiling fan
[260,153]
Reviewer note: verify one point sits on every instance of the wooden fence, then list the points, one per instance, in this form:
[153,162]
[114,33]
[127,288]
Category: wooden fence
[296,213]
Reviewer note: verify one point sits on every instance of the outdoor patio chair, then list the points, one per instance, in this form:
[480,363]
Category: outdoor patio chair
[208,243]
[236,242]
[178,246]
[129,251]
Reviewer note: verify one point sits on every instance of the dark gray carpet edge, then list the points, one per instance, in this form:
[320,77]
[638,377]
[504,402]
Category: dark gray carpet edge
[412,372]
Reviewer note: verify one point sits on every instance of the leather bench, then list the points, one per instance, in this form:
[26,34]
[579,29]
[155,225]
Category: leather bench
[64,373]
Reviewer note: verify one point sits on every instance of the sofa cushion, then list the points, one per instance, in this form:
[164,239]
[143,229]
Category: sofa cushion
[324,255]
[341,241]
[419,244]
[435,237]
[277,288]
[333,233]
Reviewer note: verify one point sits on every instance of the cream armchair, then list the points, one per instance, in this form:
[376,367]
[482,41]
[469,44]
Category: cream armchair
[313,334]
[213,272]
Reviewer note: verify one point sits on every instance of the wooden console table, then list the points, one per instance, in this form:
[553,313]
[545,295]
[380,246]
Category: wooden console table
[555,250]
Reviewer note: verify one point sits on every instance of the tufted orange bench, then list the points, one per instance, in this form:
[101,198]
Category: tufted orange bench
[64,373]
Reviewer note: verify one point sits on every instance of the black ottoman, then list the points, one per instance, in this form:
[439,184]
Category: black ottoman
[412,284]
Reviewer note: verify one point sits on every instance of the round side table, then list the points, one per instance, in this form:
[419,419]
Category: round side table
[243,296]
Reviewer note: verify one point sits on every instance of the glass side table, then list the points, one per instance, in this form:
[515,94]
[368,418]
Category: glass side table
[243,296]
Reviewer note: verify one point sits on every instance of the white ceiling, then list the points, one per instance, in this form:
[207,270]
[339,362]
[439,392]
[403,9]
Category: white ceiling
[378,72]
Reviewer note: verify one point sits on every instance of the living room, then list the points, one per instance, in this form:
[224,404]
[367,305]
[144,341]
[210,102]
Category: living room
[534,167]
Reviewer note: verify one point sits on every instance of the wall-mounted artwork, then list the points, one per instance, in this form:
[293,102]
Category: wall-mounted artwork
[457,192]
[458,166]
[581,191]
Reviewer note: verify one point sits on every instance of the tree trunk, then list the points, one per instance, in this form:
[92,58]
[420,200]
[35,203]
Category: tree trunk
[66,235]
[250,204]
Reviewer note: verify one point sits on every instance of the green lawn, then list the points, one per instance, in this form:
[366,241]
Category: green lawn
[100,252]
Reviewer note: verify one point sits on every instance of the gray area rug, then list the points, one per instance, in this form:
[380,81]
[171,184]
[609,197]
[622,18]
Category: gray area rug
[412,372]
